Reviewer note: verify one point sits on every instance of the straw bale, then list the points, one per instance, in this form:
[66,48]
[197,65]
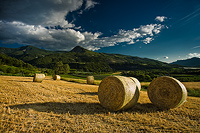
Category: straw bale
[137,82]
[117,93]
[90,80]
[56,77]
[167,92]
[38,77]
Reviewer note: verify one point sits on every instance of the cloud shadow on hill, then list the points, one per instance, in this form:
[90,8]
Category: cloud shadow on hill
[78,108]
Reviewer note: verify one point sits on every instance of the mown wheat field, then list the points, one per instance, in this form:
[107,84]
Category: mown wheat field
[60,106]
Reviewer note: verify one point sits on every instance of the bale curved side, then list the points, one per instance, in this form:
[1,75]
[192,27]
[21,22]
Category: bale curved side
[90,80]
[38,77]
[118,92]
[137,82]
[167,92]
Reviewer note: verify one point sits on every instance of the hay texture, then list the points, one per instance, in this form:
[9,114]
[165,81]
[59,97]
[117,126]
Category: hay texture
[38,77]
[90,80]
[167,92]
[137,82]
[117,93]
[56,77]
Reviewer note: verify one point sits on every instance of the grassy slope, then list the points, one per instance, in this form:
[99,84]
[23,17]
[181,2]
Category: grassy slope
[58,106]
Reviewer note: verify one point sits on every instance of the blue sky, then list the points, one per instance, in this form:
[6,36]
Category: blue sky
[165,30]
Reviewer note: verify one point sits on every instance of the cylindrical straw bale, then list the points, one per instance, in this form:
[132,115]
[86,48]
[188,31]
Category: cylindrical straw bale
[90,80]
[167,92]
[137,82]
[56,77]
[117,93]
[38,77]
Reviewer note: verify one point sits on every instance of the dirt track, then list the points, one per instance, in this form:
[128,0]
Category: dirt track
[60,106]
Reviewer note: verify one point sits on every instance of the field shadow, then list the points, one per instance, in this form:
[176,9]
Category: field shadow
[20,81]
[146,108]
[89,93]
[62,108]
[51,79]
[83,108]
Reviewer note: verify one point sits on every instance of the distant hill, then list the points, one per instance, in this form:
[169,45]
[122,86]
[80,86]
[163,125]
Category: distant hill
[10,61]
[192,62]
[83,59]
[26,53]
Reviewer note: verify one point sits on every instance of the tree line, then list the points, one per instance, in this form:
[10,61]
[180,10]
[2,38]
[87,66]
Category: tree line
[178,73]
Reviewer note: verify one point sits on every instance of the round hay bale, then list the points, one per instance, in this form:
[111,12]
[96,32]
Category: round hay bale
[137,82]
[90,80]
[38,77]
[117,93]
[167,92]
[56,77]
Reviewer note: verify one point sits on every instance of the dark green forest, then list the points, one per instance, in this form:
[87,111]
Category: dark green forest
[11,66]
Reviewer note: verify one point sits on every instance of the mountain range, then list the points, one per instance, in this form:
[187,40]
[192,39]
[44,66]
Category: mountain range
[26,53]
[83,59]
[192,62]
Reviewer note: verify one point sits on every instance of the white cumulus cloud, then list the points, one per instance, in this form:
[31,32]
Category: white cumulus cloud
[145,34]
[166,57]
[41,12]
[160,18]
[65,39]
[147,40]
[90,4]
[18,32]
[33,22]
[191,55]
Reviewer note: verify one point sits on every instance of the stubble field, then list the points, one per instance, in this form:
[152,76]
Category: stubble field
[60,106]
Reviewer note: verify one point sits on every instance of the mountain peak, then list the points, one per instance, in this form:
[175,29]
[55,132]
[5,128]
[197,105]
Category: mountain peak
[195,58]
[79,49]
[27,47]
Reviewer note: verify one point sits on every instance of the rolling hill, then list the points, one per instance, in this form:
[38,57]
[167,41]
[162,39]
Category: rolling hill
[192,62]
[83,59]
[26,53]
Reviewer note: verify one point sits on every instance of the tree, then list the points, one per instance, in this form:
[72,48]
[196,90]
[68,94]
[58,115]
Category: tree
[148,78]
[58,67]
[66,68]
[10,70]
[17,70]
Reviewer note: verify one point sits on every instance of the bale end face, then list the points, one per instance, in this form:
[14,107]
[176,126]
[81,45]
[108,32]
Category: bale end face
[167,92]
[90,80]
[38,77]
